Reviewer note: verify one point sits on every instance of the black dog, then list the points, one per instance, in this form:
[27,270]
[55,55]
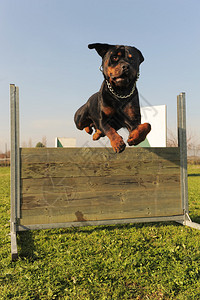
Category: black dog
[116,105]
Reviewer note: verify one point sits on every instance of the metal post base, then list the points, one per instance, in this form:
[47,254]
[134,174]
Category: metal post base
[14,252]
[188,222]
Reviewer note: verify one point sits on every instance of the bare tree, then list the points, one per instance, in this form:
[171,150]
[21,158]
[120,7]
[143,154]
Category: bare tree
[193,145]
[172,140]
[44,141]
[24,144]
[30,144]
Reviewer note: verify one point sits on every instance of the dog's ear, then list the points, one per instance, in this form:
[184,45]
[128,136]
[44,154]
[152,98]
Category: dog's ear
[141,57]
[100,48]
[138,53]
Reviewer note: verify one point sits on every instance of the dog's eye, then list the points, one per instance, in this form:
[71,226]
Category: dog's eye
[115,58]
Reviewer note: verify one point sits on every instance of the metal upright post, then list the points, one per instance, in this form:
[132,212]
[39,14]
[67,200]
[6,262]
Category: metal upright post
[17,152]
[182,143]
[15,190]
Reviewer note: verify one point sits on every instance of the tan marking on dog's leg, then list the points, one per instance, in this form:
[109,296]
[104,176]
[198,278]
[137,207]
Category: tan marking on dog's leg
[139,134]
[89,129]
[116,140]
[97,135]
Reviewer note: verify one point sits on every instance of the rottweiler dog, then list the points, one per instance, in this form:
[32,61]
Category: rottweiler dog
[116,105]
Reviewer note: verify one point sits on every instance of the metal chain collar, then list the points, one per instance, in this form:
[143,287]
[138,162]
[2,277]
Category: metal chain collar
[120,96]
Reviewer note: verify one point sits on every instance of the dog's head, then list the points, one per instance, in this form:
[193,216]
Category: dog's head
[120,64]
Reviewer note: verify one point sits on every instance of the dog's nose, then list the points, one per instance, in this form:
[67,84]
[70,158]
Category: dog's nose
[125,67]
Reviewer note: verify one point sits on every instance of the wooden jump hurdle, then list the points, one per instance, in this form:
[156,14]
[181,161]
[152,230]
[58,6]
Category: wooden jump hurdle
[52,188]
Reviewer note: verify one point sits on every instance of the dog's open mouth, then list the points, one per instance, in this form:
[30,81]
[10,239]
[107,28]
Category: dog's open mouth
[121,80]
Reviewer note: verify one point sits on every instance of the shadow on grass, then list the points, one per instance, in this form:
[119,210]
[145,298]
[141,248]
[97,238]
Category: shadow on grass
[27,248]
[26,245]
[194,175]
[195,219]
[90,229]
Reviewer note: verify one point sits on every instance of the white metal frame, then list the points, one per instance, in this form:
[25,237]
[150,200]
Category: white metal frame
[14,168]
[15,178]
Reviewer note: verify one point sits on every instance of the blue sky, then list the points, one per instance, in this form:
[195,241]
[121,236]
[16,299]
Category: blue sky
[44,52]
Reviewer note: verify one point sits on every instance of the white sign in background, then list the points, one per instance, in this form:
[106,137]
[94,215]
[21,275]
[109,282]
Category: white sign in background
[65,142]
[157,117]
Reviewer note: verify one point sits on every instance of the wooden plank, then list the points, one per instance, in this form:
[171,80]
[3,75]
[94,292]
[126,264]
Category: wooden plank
[61,185]
[104,208]
[95,155]
[67,185]
[138,161]
[101,169]
[99,205]
[42,192]
[95,197]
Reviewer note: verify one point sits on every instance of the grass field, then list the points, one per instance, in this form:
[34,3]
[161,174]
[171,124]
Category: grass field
[151,261]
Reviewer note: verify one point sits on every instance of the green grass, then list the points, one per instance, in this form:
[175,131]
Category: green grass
[151,261]
[194,192]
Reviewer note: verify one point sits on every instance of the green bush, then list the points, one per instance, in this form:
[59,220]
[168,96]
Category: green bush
[39,145]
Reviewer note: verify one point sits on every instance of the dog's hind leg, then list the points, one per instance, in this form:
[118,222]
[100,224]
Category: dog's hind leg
[82,119]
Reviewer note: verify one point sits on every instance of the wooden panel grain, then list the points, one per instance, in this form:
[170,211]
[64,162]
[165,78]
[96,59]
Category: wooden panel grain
[95,155]
[76,198]
[67,185]
[47,162]
[110,168]
[102,206]
[61,185]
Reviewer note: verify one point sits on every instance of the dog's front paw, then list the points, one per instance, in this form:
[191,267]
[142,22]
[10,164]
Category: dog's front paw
[118,144]
[97,135]
[89,129]
[139,134]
